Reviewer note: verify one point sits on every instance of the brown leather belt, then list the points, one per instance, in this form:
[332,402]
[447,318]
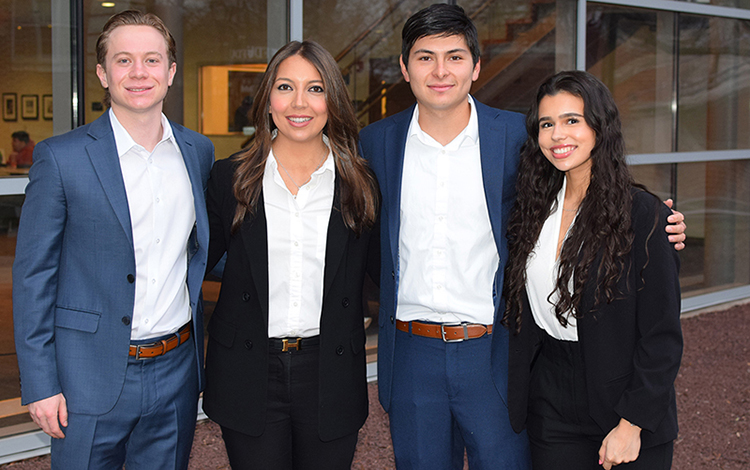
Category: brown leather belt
[448,332]
[158,348]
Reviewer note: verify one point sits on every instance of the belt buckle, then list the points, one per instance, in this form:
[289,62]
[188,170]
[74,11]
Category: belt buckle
[285,345]
[458,340]
[138,351]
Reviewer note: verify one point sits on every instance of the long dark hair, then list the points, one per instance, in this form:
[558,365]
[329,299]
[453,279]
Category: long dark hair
[358,191]
[603,224]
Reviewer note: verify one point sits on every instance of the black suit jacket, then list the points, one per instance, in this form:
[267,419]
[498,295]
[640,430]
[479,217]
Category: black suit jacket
[237,356]
[631,347]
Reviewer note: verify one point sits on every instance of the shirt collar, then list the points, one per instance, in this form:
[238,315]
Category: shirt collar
[328,164]
[125,142]
[470,134]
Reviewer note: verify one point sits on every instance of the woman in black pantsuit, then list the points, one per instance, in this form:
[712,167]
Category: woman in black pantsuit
[592,292]
[295,214]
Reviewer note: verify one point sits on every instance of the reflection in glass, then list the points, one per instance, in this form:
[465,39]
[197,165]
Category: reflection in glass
[715,199]
[714,84]
[10,211]
[630,50]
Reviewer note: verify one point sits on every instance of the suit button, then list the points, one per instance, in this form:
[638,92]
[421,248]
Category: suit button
[391,318]
[345,302]
[126,320]
[393,274]
[131,278]
[248,345]
[340,350]
[245,296]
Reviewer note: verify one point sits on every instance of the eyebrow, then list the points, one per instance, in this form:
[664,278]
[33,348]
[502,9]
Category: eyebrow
[452,51]
[564,115]
[292,81]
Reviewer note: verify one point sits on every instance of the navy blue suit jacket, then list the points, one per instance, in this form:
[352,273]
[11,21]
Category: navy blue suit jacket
[72,295]
[501,134]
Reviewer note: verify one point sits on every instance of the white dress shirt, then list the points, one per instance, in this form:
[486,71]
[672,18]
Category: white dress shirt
[447,254]
[162,215]
[297,230]
[541,276]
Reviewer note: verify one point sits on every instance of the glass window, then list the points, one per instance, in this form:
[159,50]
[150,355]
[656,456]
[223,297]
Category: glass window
[744,4]
[714,82]
[715,198]
[630,50]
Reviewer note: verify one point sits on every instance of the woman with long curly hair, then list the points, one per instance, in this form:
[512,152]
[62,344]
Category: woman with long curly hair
[296,215]
[592,292]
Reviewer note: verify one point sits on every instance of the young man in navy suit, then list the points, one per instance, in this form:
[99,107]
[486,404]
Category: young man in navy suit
[446,169]
[109,263]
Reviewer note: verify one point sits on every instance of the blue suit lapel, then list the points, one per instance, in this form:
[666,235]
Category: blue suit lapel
[190,156]
[395,146]
[492,149]
[103,155]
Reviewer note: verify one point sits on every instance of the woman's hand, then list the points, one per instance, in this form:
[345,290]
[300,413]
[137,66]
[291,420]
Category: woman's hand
[621,445]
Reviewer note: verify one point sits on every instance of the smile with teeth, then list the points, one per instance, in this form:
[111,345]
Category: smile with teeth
[563,150]
[138,89]
[299,120]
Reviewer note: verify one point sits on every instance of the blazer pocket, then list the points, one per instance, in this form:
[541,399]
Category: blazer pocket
[81,320]
[221,331]
[358,340]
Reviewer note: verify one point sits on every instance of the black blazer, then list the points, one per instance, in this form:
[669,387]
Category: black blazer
[237,355]
[631,347]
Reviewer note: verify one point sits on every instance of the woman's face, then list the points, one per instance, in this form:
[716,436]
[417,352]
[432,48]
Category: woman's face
[564,137]
[298,101]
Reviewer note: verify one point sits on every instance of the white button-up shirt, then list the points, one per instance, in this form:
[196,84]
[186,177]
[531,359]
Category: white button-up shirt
[162,215]
[447,254]
[541,276]
[297,231]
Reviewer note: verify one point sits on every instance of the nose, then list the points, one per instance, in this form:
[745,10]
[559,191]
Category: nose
[138,70]
[558,133]
[300,100]
[440,69]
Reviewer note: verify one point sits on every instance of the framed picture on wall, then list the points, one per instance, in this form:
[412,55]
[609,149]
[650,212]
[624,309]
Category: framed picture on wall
[47,107]
[30,106]
[10,107]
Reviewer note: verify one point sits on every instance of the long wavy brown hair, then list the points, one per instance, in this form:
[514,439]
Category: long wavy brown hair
[358,190]
[603,223]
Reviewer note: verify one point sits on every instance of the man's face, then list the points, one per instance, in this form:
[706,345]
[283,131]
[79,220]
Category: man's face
[137,70]
[17,145]
[440,72]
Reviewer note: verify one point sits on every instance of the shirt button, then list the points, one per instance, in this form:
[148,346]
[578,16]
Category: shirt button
[158,200]
[296,214]
[153,281]
[145,321]
[439,287]
[158,240]
[295,304]
[296,243]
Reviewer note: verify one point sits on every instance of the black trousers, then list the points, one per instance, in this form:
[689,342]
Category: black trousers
[561,432]
[290,440]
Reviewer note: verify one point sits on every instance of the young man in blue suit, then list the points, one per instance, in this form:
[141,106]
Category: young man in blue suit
[447,169]
[109,263]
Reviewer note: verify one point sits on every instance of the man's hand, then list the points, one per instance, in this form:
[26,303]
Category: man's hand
[49,414]
[621,445]
[676,227]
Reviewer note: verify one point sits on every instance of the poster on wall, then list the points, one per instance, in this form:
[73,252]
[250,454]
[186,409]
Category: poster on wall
[10,109]
[30,106]
[47,107]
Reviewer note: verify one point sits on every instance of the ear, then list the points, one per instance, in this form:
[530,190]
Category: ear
[475,73]
[404,71]
[102,74]
[172,72]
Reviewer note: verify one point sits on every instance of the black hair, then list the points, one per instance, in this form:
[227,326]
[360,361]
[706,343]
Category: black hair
[23,136]
[439,19]
[603,225]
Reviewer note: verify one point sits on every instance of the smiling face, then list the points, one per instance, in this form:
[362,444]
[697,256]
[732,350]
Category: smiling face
[137,70]
[564,136]
[298,102]
[440,72]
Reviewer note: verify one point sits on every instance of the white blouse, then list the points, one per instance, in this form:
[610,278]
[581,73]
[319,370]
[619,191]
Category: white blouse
[541,276]
[297,231]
